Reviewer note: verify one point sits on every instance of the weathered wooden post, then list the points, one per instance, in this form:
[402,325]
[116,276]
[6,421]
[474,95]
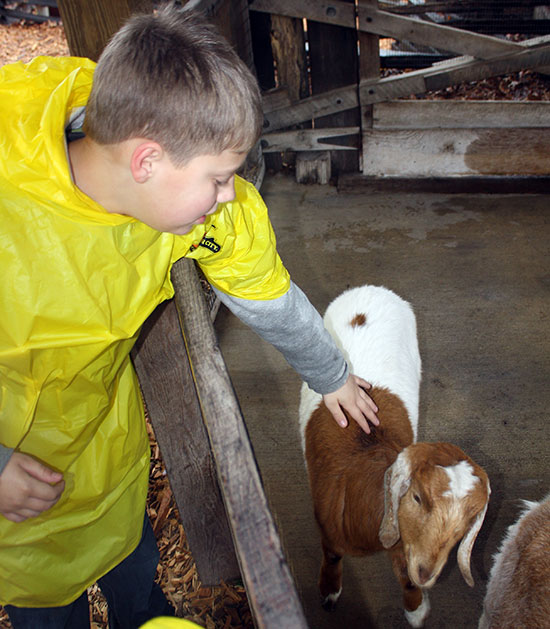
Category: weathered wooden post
[88,24]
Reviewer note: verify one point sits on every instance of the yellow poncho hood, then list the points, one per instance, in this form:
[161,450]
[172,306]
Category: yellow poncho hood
[77,284]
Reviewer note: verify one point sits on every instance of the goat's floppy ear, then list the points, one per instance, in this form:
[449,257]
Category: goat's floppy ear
[397,480]
[465,548]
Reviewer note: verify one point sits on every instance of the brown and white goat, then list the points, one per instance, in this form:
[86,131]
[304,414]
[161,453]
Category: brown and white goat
[518,592]
[382,490]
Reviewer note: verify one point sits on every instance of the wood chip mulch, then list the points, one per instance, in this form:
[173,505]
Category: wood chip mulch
[22,42]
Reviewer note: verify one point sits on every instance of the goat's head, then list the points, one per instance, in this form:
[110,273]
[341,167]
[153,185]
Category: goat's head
[435,495]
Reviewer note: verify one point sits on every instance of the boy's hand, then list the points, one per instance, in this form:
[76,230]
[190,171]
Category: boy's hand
[27,488]
[353,398]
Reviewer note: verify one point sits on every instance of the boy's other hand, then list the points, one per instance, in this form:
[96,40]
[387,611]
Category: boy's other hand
[27,488]
[353,398]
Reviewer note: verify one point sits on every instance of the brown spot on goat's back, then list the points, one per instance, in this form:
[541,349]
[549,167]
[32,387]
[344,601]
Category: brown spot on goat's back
[359,320]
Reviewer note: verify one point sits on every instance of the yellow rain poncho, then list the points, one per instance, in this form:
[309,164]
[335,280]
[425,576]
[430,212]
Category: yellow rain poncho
[77,284]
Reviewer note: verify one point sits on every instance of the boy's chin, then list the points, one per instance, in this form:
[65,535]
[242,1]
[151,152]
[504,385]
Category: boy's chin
[181,231]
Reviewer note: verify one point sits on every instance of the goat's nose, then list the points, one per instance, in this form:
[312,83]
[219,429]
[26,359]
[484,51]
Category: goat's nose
[423,574]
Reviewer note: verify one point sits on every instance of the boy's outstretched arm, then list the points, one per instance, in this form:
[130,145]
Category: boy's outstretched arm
[353,398]
[27,488]
[292,325]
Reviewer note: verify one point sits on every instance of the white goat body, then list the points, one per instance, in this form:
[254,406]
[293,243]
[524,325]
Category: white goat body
[383,350]
[382,490]
[518,592]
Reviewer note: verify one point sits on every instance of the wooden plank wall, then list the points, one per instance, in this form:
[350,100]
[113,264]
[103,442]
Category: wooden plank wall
[281,65]
[331,62]
[334,63]
[458,138]
[89,23]
[338,89]
[231,19]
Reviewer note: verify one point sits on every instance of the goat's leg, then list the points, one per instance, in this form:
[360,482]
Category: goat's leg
[415,600]
[330,580]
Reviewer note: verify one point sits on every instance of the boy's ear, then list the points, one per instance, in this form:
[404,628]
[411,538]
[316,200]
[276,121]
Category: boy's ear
[144,159]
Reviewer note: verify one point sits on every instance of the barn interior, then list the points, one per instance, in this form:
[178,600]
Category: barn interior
[475,269]
[470,254]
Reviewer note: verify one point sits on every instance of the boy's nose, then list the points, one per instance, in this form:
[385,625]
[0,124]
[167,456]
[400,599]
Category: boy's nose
[226,192]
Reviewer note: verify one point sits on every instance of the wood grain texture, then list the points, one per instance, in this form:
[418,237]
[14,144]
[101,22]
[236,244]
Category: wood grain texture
[334,63]
[270,588]
[456,152]
[89,24]
[461,114]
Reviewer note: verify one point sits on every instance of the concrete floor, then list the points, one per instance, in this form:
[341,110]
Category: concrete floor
[477,272]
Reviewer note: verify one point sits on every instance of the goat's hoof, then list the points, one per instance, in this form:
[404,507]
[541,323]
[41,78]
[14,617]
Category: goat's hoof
[329,602]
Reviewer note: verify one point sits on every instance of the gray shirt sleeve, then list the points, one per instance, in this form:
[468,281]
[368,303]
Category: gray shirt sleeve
[292,325]
[5,454]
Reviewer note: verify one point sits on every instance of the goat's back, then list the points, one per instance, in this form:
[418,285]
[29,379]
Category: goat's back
[376,331]
[518,593]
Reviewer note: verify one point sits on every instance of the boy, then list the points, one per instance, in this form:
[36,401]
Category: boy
[92,221]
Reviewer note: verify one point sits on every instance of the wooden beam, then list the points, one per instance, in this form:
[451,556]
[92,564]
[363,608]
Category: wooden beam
[269,585]
[435,78]
[458,138]
[89,24]
[327,103]
[456,6]
[308,140]
[369,68]
[371,20]
[456,152]
[460,114]
[438,36]
[452,72]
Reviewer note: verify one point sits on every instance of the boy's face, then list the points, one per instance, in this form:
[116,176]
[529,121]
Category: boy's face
[177,199]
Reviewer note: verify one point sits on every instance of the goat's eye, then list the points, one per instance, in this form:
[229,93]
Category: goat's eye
[417,498]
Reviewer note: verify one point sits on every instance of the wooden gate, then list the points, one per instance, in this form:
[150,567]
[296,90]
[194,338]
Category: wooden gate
[330,98]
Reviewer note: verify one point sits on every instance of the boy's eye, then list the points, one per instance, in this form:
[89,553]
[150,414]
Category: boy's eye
[223,182]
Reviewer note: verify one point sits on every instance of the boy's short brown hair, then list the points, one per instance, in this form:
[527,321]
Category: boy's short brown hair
[170,77]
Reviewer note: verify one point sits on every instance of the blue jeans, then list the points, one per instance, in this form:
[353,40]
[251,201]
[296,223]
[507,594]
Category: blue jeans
[132,594]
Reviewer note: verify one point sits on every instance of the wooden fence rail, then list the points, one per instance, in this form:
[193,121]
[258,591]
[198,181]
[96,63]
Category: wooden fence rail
[208,456]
